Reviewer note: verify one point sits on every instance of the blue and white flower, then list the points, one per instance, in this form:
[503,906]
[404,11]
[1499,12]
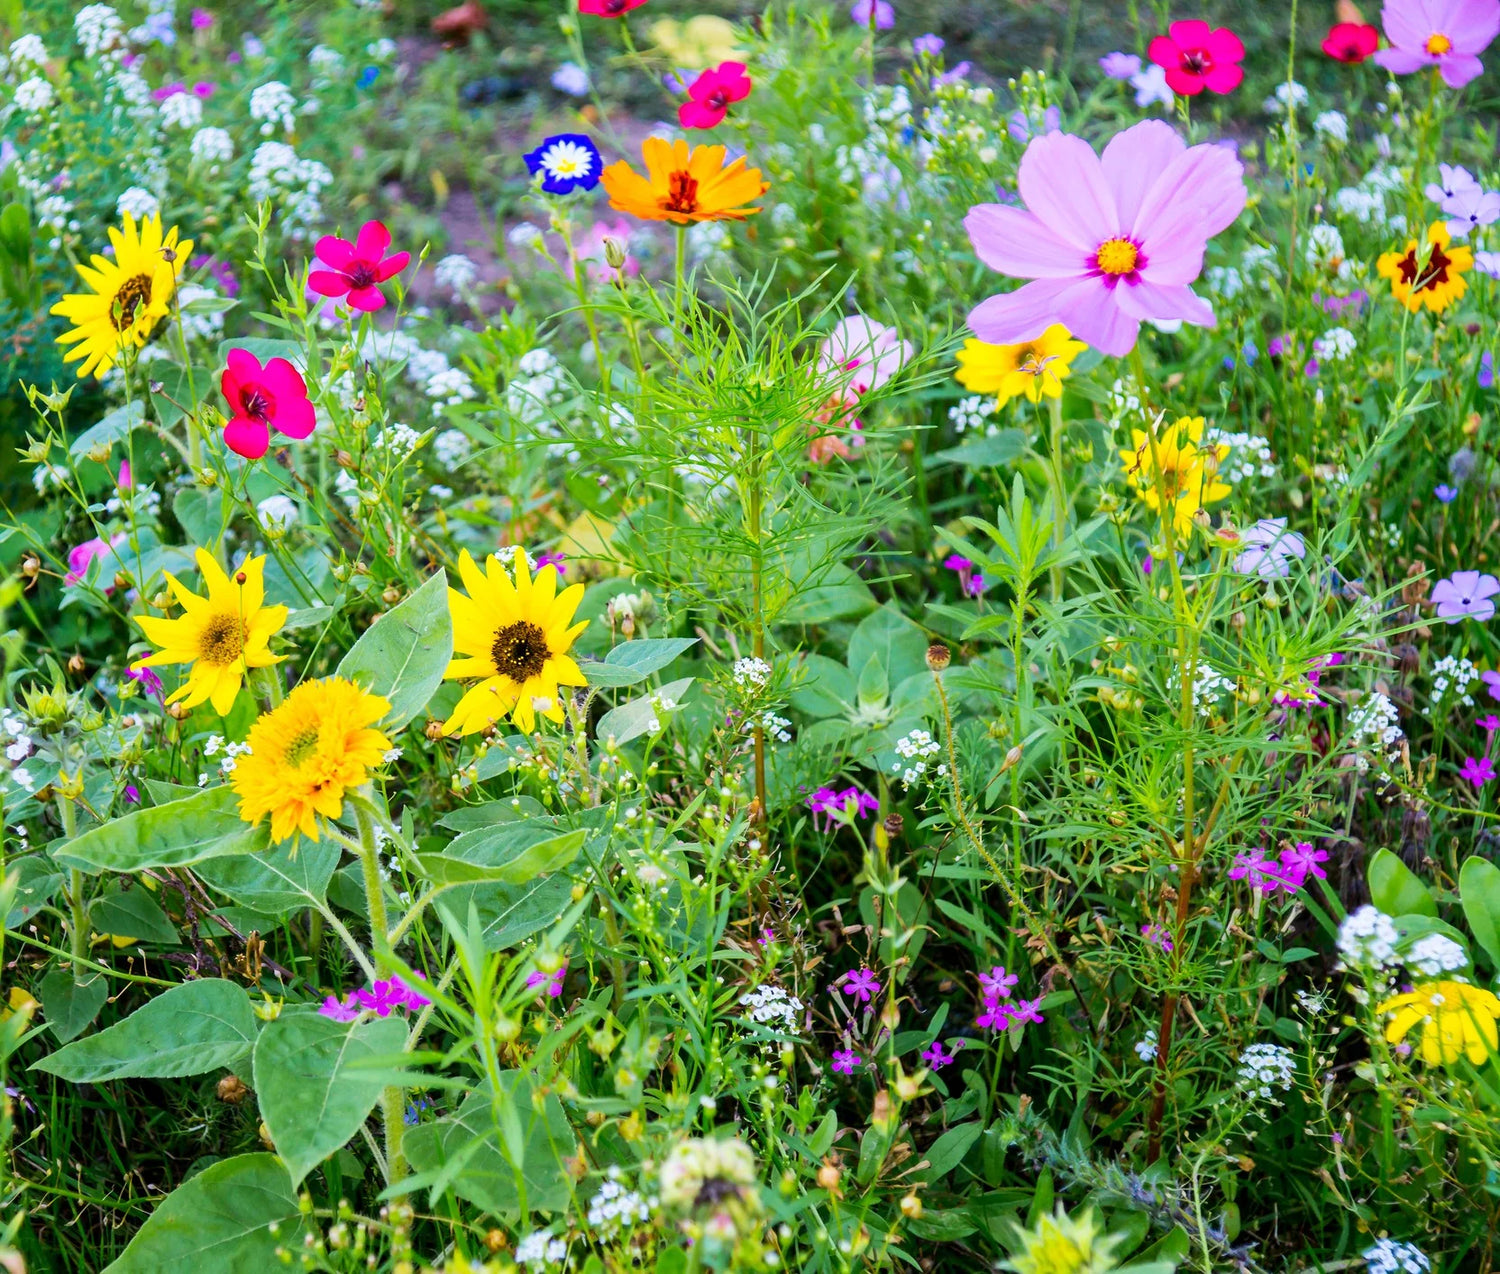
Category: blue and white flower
[565,163]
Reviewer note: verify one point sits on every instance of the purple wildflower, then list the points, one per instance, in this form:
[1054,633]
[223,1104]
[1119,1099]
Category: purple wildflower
[1269,549]
[997,984]
[996,1016]
[841,806]
[553,559]
[1120,66]
[928,45]
[876,13]
[1445,494]
[551,982]
[202,19]
[1157,936]
[132,794]
[1301,861]
[845,1060]
[953,76]
[1255,869]
[1029,1011]
[1492,680]
[935,1058]
[149,681]
[345,1010]
[1486,370]
[1489,724]
[1465,595]
[861,984]
[1477,772]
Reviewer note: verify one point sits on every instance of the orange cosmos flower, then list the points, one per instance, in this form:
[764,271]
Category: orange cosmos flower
[684,186]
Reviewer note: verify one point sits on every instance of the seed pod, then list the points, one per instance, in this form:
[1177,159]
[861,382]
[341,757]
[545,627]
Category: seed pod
[938,656]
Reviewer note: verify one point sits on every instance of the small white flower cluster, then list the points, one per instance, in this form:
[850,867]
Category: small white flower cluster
[18,745]
[1124,402]
[449,387]
[1259,261]
[1335,345]
[615,1208]
[211,146]
[1265,1067]
[538,386]
[277,514]
[1374,726]
[1325,250]
[325,62]
[1452,676]
[1360,204]
[27,52]
[752,673]
[423,364]
[1435,954]
[138,202]
[916,747]
[231,753]
[975,413]
[1225,281]
[775,1007]
[1391,1256]
[182,110]
[278,173]
[397,441]
[455,272]
[660,705]
[274,104]
[1333,125]
[1209,687]
[452,448]
[778,729]
[1145,1047]
[540,1250]
[1314,1003]
[98,28]
[207,325]
[707,244]
[1367,939]
[1288,95]
[1249,456]
[33,95]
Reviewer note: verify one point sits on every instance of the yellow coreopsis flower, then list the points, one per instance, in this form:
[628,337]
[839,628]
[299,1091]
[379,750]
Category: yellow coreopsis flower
[127,296]
[1455,1018]
[515,637]
[698,43]
[222,636]
[1033,369]
[1189,474]
[305,754]
[684,184]
[1436,281]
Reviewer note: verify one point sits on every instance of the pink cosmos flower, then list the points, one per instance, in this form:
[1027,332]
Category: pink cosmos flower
[857,356]
[260,398]
[1197,58]
[1465,595]
[710,95]
[1447,34]
[1111,240]
[353,269]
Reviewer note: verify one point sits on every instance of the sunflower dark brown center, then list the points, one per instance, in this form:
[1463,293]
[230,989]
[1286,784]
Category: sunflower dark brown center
[130,299]
[682,193]
[222,640]
[257,403]
[302,747]
[520,651]
[1428,275]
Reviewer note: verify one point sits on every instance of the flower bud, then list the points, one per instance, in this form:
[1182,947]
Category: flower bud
[232,1090]
[894,824]
[614,252]
[911,1207]
[938,656]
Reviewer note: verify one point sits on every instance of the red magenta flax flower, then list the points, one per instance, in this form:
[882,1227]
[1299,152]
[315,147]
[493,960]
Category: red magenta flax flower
[1351,41]
[1197,57]
[352,270]
[608,8]
[710,95]
[263,398]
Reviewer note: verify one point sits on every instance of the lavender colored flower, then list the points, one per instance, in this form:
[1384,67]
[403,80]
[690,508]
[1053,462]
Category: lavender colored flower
[1029,1011]
[928,45]
[861,984]
[202,19]
[995,1017]
[1120,66]
[1478,772]
[1492,680]
[1157,936]
[1447,34]
[936,1058]
[1150,85]
[952,76]
[1486,370]
[1019,125]
[1465,595]
[345,1010]
[572,79]
[1257,870]
[388,994]
[132,794]
[845,1060]
[550,983]
[877,13]
[1489,723]
[1444,494]
[1269,549]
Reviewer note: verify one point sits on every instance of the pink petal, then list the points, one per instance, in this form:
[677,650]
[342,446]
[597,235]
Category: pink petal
[337,254]
[697,115]
[296,417]
[1199,193]
[284,382]
[248,438]
[327,283]
[1457,69]
[1061,182]
[373,240]
[1470,24]
[392,266]
[1164,52]
[1085,306]
[1402,61]
[1133,160]
[1224,46]
[367,299]
[1224,78]
[229,383]
[1191,33]
[1184,83]
[1155,301]
[1405,26]
[244,365]
[1015,242]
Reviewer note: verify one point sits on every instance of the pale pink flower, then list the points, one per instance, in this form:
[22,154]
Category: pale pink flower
[1447,34]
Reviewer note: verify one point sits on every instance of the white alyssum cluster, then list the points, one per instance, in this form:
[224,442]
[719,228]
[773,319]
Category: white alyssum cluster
[1333,125]
[278,173]
[27,52]
[18,743]
[1374,727]
[98,28]
[1335,345]
[1435,954]
[182,110]
[1391,1256]
[1325,250]
[449,387]
[452,448]
[915,748]
[326,63]
[1259,262]
[138,202]
[1249,455]
[211,145]
[1288,95]
[1367,939]
[1124,402]
[1209,688]
[976,413]
[1452,676]
[275,106]
[777,728]
[1225,281]
[751,673]
[397,441]
[773,1006]
[615,1208]
[229,760]
[455,272]
[33,95]
[541,1249]
[1265,1068]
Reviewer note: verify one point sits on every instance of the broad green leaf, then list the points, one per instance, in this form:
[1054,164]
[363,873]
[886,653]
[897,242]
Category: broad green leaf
[313,1095]
[36,881]
[68,1006]
[945,1226]
[309,617]
[219,1223]
[634,661]
[201,514]
[181,392]
[509,914]
[827,688]
[535,860]
[115,427]
[282,878]
[948,1151]
[491,813]
[985,453]
[639,716]
[265,348]
[190,1030]
[1479,891]
[404,653]
[132,913]
[894,641]
[1394,890]
[177,834]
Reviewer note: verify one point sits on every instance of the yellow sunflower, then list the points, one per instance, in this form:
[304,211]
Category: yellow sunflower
[516,638]
[222,635]
[1189,475]
[306,753]
[128,295]
[1437,280]
[1008,371]
[1455,1018]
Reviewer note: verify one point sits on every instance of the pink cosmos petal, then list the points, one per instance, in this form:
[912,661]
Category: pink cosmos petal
[1061,181]
[392,266]
[246,437]
[372,242]
[1085,306]
[1224,78]
[327,283]
[1015,242]
[1469,25]
[1405,24]
[367,299]
[335,253]
[1132,162]
[1400,61]
[1200,193]
[1148,300]
[1457,69]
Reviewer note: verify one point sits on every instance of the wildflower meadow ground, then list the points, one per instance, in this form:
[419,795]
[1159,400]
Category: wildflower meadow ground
[831,637]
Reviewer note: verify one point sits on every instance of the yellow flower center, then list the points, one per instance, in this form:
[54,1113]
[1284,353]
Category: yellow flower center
[222,640]
[520,651]
[133,296]
[1437,45]
[1117,256]
[302,747]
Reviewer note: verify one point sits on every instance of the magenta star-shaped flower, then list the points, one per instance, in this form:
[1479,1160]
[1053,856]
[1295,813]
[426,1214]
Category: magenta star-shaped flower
[861,984]
[845,1060]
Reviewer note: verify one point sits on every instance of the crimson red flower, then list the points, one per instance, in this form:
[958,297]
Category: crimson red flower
[1351,41]
[353,269]
[261,398]
[609,8]
[711,93]
[1197,58]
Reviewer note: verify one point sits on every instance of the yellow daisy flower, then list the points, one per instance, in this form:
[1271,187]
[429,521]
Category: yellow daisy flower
[1189,475]
[1454,1016]
[516,638]
[1436,282]
[1008,371]
[306,753]
[127,296]
[222,635]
